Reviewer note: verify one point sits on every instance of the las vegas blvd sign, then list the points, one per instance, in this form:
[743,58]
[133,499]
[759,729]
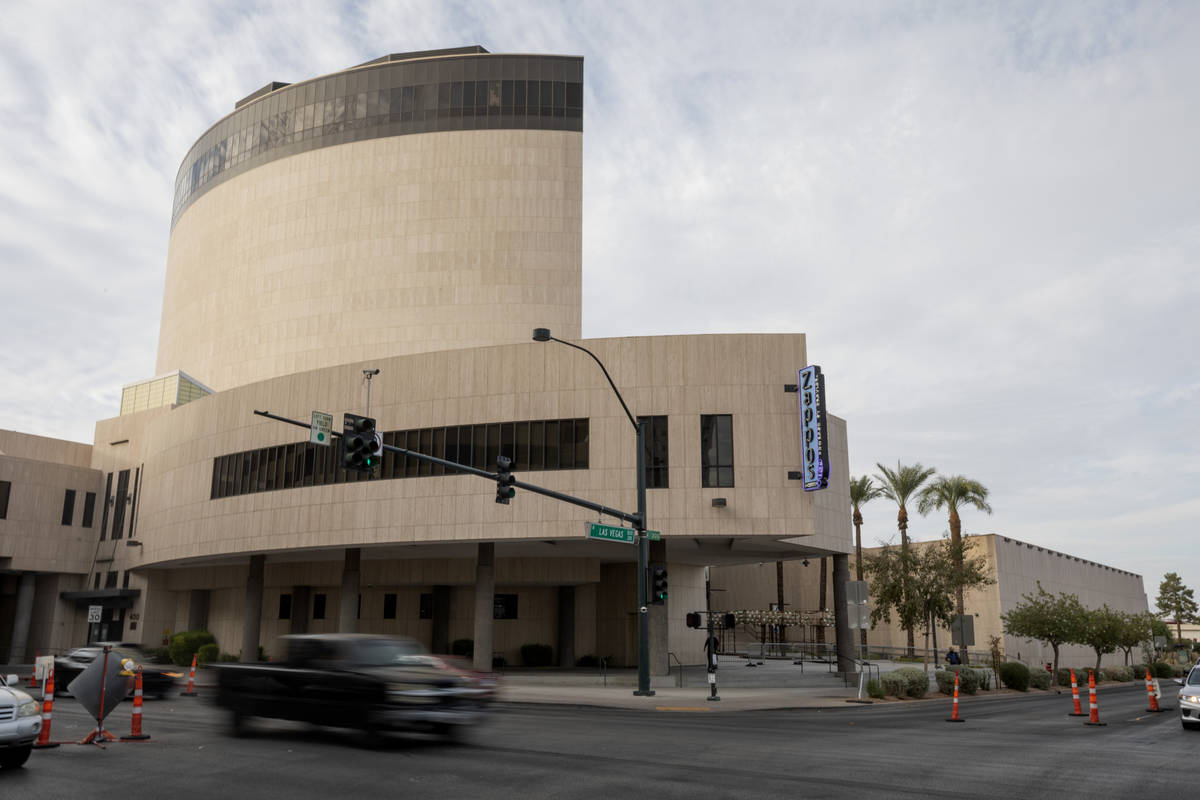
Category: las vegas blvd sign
[814,442]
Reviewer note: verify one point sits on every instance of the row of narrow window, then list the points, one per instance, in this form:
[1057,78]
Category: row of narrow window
[532,445]
[89,508]
[504,606]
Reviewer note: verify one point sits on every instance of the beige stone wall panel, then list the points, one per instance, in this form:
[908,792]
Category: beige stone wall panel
[389,246]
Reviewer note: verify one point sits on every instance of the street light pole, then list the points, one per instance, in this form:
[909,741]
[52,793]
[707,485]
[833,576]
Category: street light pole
[643,545]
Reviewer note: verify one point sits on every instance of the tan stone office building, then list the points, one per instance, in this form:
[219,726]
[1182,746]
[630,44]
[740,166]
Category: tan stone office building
[417,215]
[1017,568]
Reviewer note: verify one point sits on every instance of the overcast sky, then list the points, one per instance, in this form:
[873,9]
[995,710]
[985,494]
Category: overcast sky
[986,218]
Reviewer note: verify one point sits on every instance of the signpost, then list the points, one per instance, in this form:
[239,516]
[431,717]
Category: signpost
[94,613]
[322,424]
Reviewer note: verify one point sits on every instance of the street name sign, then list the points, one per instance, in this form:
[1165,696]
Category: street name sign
[322,424]
[610,533]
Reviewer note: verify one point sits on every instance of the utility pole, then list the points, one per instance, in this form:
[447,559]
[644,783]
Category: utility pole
[712,644]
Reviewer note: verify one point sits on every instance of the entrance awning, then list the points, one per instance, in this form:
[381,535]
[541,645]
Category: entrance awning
[106,598]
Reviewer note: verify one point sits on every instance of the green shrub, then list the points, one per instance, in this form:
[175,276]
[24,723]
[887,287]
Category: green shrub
[587,661]
[463,647]
[208,653]
[968,680]
[1063,676]
[157,655]
[906,682]
[1139,672]
[875,689]
[893,684]
[227,657]
[1040,679]
[1180,670]
[186,644]
[1015,675]
[1117,673]
[537,655]
[1161,669]
[982,676]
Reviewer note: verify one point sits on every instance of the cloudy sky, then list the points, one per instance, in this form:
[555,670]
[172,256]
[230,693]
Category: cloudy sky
[981,214]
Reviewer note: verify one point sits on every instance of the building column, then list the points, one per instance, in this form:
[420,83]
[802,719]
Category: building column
[198,610]
[348,605]
[252,621]
[566,626]
[485,592]
[440,640]
[22,618]
[301,599]
[841,616]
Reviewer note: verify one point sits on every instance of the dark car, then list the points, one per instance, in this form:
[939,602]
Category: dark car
[157,679]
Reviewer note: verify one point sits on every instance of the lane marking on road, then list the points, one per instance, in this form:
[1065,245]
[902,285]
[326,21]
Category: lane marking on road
[681,708]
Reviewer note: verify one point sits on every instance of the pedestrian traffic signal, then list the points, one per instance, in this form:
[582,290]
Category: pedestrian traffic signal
[362,445]
[693,619]
[504,480]
[658,595]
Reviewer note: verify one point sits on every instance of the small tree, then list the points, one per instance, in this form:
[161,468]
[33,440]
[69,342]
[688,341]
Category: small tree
[1176,600]
[1044,617]
[1134,633]
[920,583]
[1101,630]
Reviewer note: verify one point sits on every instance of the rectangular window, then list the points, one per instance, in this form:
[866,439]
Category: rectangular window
[110,580]
[389,605]
[657,451]
[89,509]
[107,505]
[96,582]
[425,606]
[5,489]
[318,606]
[504,606]
[125,580]
[716,450]
[285,606]
[118,528]
[68,515]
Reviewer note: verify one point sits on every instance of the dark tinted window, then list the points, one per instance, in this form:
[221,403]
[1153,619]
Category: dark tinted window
[5,488]
[318,606]
[716,450]
[389,605]
[89,509]
[68,515]
[657,451]
[285,606]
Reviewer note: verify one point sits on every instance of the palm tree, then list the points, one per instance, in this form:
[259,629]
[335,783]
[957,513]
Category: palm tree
[862,491]
[899,486]
[954,492]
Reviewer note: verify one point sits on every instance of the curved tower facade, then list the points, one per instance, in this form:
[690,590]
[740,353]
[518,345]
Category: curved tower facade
[419,202]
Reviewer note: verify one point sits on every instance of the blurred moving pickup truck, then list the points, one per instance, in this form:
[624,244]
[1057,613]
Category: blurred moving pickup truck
[374,684]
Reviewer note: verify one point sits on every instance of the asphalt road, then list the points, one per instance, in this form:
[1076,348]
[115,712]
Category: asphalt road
[1018,747]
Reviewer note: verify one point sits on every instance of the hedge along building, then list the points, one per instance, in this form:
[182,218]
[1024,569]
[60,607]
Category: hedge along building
[419,215]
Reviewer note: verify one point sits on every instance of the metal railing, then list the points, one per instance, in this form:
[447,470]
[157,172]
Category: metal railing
[678,672]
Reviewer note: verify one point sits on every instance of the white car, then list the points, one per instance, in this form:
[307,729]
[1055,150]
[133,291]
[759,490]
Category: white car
[20,723]
[1189,699]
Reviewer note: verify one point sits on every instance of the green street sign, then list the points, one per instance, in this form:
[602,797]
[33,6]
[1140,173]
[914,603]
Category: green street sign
[610,533]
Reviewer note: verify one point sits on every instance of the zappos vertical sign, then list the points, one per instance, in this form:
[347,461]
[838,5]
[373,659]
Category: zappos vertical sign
[814,442]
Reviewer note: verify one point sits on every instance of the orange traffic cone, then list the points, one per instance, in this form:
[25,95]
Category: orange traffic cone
[1078,712]
[135,728]
[1094,709]
[47,714]
[1151,694]
[954,717]
[191,687]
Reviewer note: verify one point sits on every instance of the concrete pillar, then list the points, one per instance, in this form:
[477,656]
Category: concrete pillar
[198,610]
[841,617]
[659,644]
[22,618]
[301,599]
[485,591]
[348,605]
[440,641]
[252,621]
[566,626]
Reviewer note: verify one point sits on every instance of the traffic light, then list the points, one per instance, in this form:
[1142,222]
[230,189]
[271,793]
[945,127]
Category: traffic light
[504,480]
[658,594]
[362,445]
[693,619]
